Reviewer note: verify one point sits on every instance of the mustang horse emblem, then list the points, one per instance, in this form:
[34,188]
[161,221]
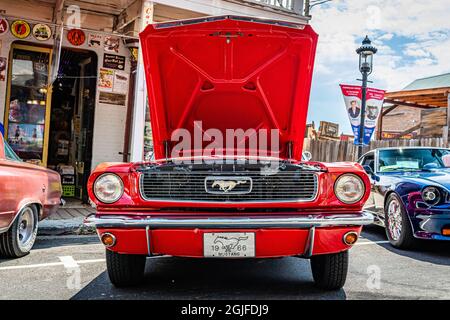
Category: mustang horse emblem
[227,185]
[229,243]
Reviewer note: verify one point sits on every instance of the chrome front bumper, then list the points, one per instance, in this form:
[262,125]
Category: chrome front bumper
[250,222]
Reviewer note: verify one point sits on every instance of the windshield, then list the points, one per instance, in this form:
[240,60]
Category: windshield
[411,159]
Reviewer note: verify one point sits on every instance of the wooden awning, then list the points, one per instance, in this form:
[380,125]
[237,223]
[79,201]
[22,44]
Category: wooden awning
[424,98]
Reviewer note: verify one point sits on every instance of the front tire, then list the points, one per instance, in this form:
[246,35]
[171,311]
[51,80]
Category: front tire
[398,228]
[125,269]
[330,270]
[19,239]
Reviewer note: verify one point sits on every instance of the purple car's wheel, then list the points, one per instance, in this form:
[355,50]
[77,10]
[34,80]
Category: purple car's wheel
[20,237]
[398,226]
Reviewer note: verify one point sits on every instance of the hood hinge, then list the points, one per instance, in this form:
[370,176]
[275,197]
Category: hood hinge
[166,149]
[290,147]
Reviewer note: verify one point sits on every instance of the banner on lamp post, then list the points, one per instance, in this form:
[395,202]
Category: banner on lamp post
[374,103]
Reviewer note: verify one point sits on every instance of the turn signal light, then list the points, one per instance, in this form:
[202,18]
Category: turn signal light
[350,238]
[446,231]
[108,239]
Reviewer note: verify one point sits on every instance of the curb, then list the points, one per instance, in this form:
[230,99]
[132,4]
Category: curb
[73,226]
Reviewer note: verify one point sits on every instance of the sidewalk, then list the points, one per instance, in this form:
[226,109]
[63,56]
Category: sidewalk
[67,220]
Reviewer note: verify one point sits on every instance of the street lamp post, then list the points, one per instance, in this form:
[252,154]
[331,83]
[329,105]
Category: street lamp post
[366,53]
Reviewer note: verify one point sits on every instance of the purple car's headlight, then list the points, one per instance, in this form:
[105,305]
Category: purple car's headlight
[431,196]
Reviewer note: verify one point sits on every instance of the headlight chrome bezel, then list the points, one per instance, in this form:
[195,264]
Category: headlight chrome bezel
[362,184]
[120,184]
[427,191]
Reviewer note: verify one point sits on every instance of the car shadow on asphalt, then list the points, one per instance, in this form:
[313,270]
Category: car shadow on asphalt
[431,251]
[170,278]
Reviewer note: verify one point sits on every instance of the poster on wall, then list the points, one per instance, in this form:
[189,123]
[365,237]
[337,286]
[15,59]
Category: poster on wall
[25,137]
[113,61]
[76,37]
[3,64]
[374,103]
[113,98]
[3,26]
[120,82]
[20,29]
[95,40]
[106,79]
[112,44]
[42,32]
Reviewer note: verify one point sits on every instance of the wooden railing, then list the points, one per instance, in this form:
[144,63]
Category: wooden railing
[336,151]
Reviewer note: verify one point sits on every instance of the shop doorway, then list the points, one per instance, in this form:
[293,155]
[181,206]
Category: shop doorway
[72,121]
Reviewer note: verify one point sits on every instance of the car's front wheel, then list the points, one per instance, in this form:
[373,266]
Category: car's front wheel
[398,227]
[330,270]
[125,269]
[19,239]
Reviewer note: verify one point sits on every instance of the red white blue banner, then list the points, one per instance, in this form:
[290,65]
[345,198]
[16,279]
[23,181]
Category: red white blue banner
[374,103]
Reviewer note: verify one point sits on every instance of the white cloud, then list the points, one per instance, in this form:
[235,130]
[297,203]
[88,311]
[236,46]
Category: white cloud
[418,33]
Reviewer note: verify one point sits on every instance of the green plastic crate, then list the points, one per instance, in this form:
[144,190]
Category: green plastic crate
[68,190]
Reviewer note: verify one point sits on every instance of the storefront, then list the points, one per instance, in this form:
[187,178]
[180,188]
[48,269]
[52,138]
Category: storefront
[72,119]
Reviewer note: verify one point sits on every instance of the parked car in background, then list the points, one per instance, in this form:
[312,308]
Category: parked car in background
[410,193]
[28,194]
[239,74]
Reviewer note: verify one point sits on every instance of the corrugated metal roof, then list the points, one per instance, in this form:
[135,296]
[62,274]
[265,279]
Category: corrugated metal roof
[440,81]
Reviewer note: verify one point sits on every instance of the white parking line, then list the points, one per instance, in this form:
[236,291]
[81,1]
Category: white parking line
[69,262]
[365,243]
[50,264]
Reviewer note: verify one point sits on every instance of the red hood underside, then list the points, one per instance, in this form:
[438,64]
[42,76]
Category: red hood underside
[228,73]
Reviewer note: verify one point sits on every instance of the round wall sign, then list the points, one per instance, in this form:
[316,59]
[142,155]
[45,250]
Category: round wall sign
[76,37]
[20,29]
[42,32]
[3,26]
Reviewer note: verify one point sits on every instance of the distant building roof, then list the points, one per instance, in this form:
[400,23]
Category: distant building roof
[440,81]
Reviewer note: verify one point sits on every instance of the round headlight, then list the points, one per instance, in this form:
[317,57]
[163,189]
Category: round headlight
[431,196]
[108,188]
[349,188]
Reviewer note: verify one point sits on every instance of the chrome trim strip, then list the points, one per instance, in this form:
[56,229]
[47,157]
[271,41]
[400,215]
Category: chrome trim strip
[293,222]
[156,200]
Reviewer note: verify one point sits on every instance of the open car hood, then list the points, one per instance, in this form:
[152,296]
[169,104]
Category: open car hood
[229,72]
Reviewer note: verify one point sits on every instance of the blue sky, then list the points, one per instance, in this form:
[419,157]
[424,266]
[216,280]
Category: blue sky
[412,36]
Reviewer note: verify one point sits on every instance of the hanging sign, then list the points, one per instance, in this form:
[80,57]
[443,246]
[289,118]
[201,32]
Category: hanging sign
[374,103]
[3,26]
[20,29]
[42,32]
[76,37]
[113,61]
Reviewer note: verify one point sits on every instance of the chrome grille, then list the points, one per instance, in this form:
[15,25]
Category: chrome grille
[290,185]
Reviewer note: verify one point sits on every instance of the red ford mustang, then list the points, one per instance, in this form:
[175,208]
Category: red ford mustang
[247,79]
[28,193]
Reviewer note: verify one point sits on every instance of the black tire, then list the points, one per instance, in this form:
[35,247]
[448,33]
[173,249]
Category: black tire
[12,243]
[125,269]
[406,238]
[330,270]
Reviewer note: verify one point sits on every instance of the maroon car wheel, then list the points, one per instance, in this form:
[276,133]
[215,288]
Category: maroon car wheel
[19,239]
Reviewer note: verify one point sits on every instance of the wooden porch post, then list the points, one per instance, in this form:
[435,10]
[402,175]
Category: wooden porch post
[445,134]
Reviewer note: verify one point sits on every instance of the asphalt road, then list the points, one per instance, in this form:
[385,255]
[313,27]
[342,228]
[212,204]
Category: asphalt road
[74,268]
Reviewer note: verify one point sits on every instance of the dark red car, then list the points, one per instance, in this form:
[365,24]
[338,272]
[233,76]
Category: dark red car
[248,79]
[28,194]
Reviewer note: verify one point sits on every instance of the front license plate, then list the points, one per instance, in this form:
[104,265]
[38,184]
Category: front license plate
[229,244]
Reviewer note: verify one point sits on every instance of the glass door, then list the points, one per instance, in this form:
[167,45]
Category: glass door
[27,115]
